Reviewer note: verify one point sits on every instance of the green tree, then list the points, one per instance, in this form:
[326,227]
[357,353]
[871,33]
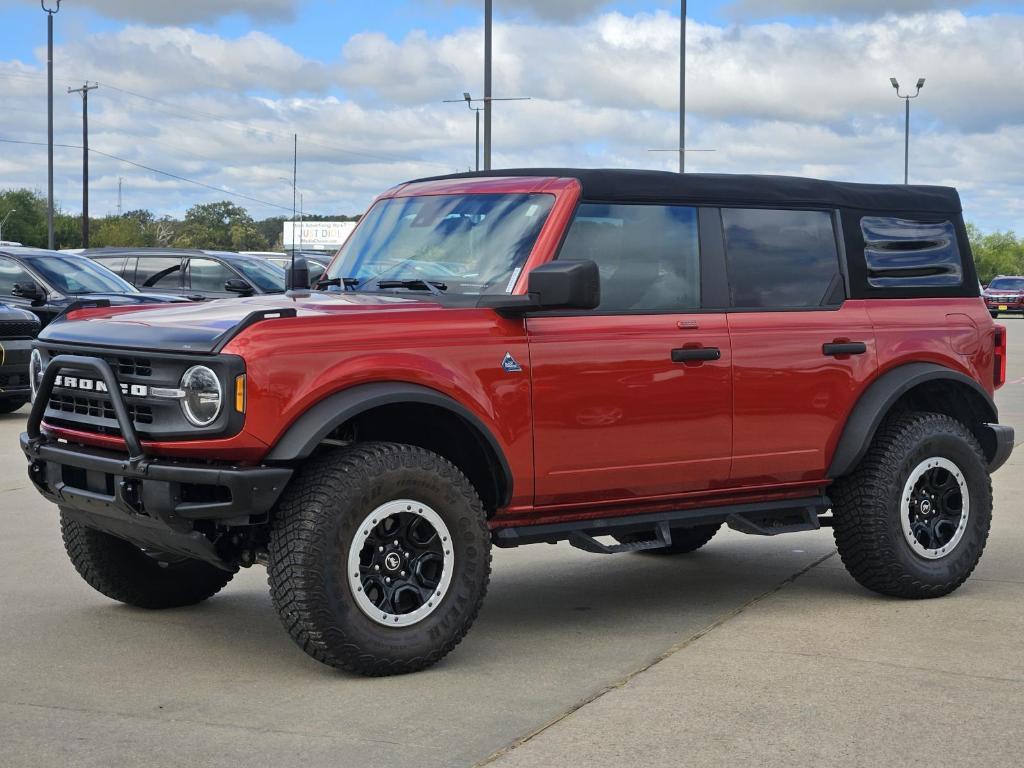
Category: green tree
[996,253]
[27,223]
[223,226]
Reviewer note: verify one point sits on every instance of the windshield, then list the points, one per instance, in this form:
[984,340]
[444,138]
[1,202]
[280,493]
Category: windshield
[72,275]
[264,275]
[460,244]
[1007,284]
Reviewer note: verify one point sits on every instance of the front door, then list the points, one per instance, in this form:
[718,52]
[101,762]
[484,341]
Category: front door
[632,400]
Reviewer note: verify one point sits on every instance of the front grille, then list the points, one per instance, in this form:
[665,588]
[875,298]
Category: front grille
[18,329]
[132,366]
[97,408]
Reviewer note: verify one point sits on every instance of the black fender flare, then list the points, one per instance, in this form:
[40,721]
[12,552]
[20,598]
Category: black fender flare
[878,399]
[310,429]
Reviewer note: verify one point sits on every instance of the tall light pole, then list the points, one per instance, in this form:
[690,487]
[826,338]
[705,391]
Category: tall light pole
[488,18]
[84,90]
[906,126]
[4,221]
[50,13]
[682,87]
[469,101]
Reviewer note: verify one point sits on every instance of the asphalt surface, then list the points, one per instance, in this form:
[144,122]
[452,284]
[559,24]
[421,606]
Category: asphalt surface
[752,651]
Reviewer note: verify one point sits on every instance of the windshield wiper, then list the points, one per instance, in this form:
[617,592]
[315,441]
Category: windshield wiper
[433,286]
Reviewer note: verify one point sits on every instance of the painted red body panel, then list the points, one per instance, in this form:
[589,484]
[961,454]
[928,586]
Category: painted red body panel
[599,422]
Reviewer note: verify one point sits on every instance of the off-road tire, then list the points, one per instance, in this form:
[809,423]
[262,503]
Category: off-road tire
[313,528]
[10,405]
[684,540]
[120,570]
[867,511]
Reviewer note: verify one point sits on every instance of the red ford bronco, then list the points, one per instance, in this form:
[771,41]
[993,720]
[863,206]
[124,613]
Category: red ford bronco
[625,360]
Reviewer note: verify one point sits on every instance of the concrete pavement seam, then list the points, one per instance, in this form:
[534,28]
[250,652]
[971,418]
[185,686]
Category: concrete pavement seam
[654,662]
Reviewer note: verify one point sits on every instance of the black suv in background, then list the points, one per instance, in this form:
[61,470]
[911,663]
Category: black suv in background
[194,274]
[17,329]
[47,282]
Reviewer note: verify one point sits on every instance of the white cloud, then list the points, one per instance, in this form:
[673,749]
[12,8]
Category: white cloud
[839,8]
[781,98]
[559,10]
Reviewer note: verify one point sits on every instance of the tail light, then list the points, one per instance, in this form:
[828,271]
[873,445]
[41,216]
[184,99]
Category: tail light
[999,372]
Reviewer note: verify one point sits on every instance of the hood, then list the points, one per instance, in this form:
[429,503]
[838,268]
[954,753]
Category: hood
[206,327]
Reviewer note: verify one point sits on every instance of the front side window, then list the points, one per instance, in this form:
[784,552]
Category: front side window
[74,275]
[780,259]
[648,255]
[208,275]
[158,272]
[469,244]
[11,272]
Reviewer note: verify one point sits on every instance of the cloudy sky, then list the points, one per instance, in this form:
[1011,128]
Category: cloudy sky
[212,92]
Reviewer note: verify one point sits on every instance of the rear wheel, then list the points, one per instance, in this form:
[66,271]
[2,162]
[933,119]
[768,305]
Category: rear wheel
[913,518]
[124,572]
[684,540]
[379,558]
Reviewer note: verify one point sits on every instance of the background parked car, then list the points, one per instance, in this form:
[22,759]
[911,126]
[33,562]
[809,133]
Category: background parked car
[316,261]
[194,274]
[17,329]
[47,282]
[1005,294]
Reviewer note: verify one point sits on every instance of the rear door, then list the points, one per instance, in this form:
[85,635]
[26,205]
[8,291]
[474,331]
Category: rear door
[802,352]
[632,400]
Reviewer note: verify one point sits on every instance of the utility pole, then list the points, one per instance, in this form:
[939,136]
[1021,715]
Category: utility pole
[469,102]
[120,180]
[84,90]
[50,13]
[906,125]
[682,88]
[488,17]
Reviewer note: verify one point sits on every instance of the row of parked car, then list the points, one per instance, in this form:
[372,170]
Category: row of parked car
[36,285]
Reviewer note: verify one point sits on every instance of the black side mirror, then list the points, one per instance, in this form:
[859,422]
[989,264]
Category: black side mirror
[565,285]
[29,291]
[238,285]
[297,274]
[557,285]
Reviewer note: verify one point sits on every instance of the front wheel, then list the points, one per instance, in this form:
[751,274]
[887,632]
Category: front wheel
[913,518]
[379,558]
[995,315]
[10,405]
[124,572]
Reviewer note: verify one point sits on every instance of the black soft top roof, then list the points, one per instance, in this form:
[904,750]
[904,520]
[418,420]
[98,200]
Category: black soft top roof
[624,185]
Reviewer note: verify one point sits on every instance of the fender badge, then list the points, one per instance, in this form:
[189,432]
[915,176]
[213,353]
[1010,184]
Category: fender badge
[509,364]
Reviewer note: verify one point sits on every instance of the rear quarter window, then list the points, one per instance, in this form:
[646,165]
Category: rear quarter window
[903,253]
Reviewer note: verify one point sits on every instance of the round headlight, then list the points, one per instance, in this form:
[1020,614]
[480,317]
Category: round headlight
[203,395]
[35,371]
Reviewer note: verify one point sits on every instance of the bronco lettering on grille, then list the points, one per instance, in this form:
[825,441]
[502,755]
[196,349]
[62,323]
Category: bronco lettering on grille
[94,385]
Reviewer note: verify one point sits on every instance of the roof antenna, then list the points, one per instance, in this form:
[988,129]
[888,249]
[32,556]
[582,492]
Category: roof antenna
[297,282]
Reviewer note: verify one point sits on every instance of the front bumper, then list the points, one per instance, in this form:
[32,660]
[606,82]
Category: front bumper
[157,503]
[1006,305]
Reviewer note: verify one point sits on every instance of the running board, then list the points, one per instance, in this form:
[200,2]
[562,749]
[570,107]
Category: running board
[764,519]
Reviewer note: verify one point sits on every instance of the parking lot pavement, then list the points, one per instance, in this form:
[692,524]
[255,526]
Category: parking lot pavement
[752,651]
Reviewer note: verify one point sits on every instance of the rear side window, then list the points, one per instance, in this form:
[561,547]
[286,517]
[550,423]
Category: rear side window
[648,255]
[780,259]
[902,253]
[208,275]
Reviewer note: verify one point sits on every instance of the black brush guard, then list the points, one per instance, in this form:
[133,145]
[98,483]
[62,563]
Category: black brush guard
[152,502]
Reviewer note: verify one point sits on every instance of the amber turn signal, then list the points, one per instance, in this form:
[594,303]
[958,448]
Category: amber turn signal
[240,393]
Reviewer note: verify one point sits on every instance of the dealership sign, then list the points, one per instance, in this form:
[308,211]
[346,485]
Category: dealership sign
[316,235]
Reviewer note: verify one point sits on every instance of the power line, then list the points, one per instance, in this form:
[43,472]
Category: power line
[144,167]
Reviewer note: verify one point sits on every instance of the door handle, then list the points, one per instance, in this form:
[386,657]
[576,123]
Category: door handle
[696,354]
[836,348]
